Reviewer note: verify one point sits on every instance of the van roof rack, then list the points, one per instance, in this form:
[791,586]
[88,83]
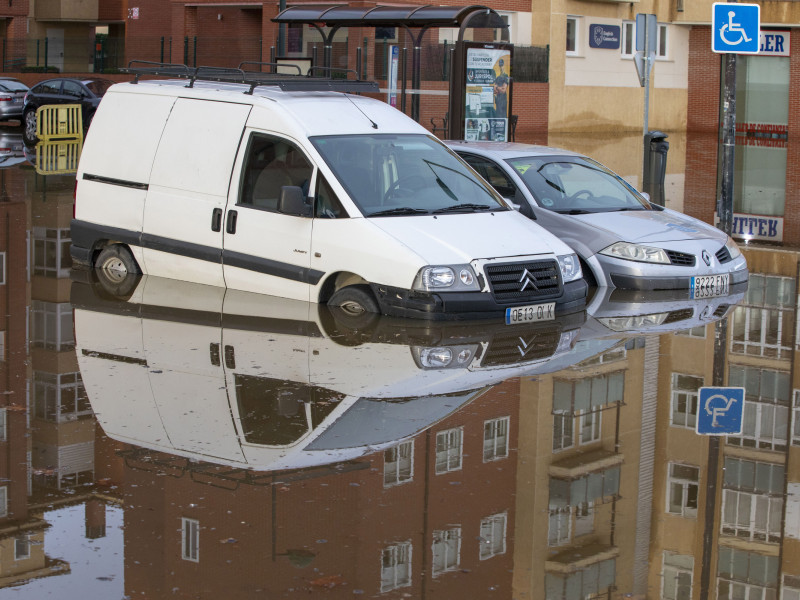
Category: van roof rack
[331,80]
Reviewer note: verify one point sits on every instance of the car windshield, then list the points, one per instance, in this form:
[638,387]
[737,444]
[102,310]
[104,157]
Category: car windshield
[576,185]
[405,174]
[13,86]
[98,86]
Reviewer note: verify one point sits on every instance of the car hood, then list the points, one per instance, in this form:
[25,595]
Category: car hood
[460,238]
[648,226]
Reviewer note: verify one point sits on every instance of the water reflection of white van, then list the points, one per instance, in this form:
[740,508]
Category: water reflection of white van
[325,197]
[250,380]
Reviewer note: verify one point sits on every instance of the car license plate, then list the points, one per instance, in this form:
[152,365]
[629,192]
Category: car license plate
[708,286]
[531,313]
[16,100]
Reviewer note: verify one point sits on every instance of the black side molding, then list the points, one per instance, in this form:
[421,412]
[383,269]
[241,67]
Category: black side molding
[112,181]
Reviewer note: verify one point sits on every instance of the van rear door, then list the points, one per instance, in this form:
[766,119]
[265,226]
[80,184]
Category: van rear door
[182,233]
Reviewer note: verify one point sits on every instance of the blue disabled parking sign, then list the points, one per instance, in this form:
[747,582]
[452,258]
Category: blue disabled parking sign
[735,28]
[720,410]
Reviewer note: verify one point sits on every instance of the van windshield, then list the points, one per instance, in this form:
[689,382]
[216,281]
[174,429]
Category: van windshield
[412,174]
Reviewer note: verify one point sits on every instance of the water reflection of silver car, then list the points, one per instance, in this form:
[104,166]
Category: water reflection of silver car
[623,240]
[261,382]
[12,94]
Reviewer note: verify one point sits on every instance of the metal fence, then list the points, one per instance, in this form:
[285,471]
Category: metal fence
[105,54]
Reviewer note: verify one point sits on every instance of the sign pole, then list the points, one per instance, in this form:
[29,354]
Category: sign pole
[728,92]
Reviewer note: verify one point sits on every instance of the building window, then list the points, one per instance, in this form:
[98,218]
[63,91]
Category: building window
[676,581]
[51,256]
[609,356]
[2,346]
[495,439]
[763,323]
[662,39]
[593,581]
[60,398]
[3,501]
[190,539]
[498,32]
[752,500]
[682,486]
[51,325]
[766,407]
[398,464]
[746,574]
[448,450]
[796,419]
[560,526]
[396,566]
[446,550]
[22,547]
[628,45]
[593,488]
[493,536]
[695,332]
[791,587]
[572,36]
[685,389]
[2,268]
[3,426]
[577,406]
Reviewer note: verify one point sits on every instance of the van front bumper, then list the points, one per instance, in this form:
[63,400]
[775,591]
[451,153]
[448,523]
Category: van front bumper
[398,302]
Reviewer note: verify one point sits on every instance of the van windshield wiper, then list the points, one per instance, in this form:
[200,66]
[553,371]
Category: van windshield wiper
[399,211]
[466,207]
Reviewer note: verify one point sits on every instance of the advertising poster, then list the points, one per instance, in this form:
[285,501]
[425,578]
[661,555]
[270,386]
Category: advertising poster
[487,94]
[394,60]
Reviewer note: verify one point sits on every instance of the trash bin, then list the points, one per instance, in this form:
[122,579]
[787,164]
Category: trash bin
[655,165]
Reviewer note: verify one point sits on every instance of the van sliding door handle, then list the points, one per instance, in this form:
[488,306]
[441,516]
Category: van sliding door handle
[216,220]
[230,224]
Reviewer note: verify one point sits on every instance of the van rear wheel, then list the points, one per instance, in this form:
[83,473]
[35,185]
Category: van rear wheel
[117,270]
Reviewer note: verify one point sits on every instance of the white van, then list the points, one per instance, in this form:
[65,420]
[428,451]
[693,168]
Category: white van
[319,196]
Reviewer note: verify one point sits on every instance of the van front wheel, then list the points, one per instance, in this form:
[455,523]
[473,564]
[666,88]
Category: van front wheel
[354,300]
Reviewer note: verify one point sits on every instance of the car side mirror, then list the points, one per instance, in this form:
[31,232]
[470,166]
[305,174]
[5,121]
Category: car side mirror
[645,195]
[292,201]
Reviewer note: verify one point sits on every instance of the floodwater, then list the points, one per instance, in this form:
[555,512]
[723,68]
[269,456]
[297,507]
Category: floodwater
[184,442]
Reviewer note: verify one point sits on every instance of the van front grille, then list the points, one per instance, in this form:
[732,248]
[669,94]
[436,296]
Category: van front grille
[524,281]
[521,346]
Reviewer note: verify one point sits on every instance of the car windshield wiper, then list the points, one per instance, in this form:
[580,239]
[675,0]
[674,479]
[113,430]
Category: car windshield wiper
[573,211]
[466,207]
[624,208]
[402,210]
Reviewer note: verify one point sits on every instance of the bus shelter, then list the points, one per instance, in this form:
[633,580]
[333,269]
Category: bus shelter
[416,21]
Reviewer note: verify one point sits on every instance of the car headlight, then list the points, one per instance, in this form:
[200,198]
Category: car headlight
[444,357]
[446,277]
[627,251]
[733,248]
[570,267]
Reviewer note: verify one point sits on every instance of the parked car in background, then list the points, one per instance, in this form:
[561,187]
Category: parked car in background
[12,95]
[86,92]
[622,239]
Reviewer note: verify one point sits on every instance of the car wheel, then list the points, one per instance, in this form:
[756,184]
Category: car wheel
[117,271]
[29,125]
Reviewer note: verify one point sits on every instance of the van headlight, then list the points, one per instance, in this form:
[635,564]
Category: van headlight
[446,277]
[444,357]
[627,251]
[570,267]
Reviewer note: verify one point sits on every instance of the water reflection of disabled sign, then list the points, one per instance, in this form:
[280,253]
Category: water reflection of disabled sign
[736,28]
[720,410]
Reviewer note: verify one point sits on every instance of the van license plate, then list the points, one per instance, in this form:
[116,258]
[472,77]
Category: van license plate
[531,313]
[708,286]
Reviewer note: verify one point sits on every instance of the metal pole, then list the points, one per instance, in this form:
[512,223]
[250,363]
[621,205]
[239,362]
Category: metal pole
[725,200]
[403,54]
[162,49]
[646,81]
[282,31]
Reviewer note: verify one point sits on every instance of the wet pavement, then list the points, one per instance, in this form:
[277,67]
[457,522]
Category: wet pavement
[178,441]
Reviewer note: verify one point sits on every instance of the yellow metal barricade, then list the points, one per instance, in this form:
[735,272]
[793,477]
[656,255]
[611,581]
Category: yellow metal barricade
[58,158]
[58,122]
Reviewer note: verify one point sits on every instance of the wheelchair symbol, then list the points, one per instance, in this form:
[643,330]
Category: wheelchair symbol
[719,410]
[731,28]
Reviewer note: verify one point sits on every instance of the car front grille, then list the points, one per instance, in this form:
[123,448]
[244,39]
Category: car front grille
[521,346]
[524,281]
[680,259]
[723,255]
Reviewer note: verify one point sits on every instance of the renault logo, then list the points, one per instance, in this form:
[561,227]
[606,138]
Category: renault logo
[526,280]
[706,258]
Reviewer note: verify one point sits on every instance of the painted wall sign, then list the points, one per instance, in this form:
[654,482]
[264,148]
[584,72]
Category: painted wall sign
[757,227]
[604,36]
[774,43]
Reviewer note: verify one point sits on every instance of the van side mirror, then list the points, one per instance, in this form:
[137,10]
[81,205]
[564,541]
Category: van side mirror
[292,201]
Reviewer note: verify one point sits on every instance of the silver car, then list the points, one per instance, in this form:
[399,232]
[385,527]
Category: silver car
[623,240]
[12,94]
